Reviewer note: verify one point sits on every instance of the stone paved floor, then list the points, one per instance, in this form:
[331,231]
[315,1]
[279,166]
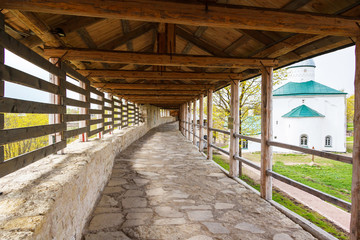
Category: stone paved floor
[163,188]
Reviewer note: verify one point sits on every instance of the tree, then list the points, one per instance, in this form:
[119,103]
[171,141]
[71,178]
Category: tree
[250,104]
[24,120]
[350,108]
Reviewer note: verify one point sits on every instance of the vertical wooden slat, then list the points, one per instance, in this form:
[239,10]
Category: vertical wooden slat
[188,109]
[112,113]
[194,122]
[84,137]
[209,123]
[234,142]
[101,125]
[59,100]
[2,84]
[201,121]
[266,132]
[355,189]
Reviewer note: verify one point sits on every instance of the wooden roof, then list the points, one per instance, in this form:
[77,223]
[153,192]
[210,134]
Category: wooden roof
[166,53]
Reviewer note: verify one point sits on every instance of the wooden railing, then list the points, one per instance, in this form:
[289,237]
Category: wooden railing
[315,192]
[99,113]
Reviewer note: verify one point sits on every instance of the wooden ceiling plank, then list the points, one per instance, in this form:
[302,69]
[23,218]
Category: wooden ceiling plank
[199,31]
[159,92]
[126,29]
[129,36]
[155,59]
[200,43]
[122,74]
[227,16]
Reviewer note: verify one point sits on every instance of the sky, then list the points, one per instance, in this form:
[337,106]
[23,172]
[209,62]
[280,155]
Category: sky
[335,70]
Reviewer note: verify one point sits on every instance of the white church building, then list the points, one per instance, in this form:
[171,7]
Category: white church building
[307,113]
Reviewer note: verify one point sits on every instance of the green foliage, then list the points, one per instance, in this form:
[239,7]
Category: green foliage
[24,120]
[249,101]
[350,107]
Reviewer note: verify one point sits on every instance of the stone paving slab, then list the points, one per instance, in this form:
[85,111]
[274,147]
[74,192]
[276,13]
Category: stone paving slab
[163,188]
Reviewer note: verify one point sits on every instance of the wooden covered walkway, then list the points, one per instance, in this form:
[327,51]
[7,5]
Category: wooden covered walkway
[163,188]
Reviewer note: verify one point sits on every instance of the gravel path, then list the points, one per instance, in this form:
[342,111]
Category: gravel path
[163,188]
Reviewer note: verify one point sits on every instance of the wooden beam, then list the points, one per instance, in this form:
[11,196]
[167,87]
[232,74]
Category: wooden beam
[355,188]
[226,16]
[158,93]
[123,74]
[201,121]
[234,129]
[200,43]
[152,86]
[2,83]
[209,123]
[199,31]
[194,122]
[266,133]
[155,59]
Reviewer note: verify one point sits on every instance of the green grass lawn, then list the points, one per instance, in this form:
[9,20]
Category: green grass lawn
[350,126]
[328,176]
[350,139]
[291,204]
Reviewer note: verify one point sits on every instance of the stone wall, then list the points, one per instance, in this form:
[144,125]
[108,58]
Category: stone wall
[53,197]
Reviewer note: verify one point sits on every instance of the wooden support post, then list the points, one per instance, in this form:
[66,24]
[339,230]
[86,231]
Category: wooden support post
[59,100]
[355,189]
[86,123]
[266,132]
[2,84]
[102,115]
[209,124]
[194,122]
[201,120]
[234,128]
[113,114]
[188,109]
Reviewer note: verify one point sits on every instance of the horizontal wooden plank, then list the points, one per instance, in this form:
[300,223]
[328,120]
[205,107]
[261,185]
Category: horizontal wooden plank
[108,108]
[220,130]
[76,103]
[15,76]
[22,51]
[107,124]
[194,13]
[96,101]
[96,121]
[18,134]
[327,155]
[74,74]
[154,86]
[117,119]
[97,92]
[117,125]
[74,88]
[247,138]
[248,162]
[96,111]
[156,58]
[313,191]
[93,132]
[23,160]
[107,116]
[107,100]
[151,75]
[75,132]
[10,105]
[76,117]
[218,148]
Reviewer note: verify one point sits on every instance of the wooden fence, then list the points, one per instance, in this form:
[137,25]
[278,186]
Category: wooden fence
[315,192]
[99,113]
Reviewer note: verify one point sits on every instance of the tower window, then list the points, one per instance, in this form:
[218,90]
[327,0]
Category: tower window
[328,141]
[304,140]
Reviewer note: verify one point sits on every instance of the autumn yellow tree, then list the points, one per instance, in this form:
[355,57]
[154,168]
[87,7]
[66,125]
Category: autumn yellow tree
[350,109]
[24,120]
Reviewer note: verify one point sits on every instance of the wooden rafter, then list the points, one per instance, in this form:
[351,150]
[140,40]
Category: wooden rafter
[195,14]
[155,59]
[153,86]
[157,92]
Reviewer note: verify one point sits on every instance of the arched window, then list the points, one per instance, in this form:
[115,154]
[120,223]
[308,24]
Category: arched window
[328,141]
[304,140]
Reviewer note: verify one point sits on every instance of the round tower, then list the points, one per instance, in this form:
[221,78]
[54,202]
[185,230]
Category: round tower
[302,71]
